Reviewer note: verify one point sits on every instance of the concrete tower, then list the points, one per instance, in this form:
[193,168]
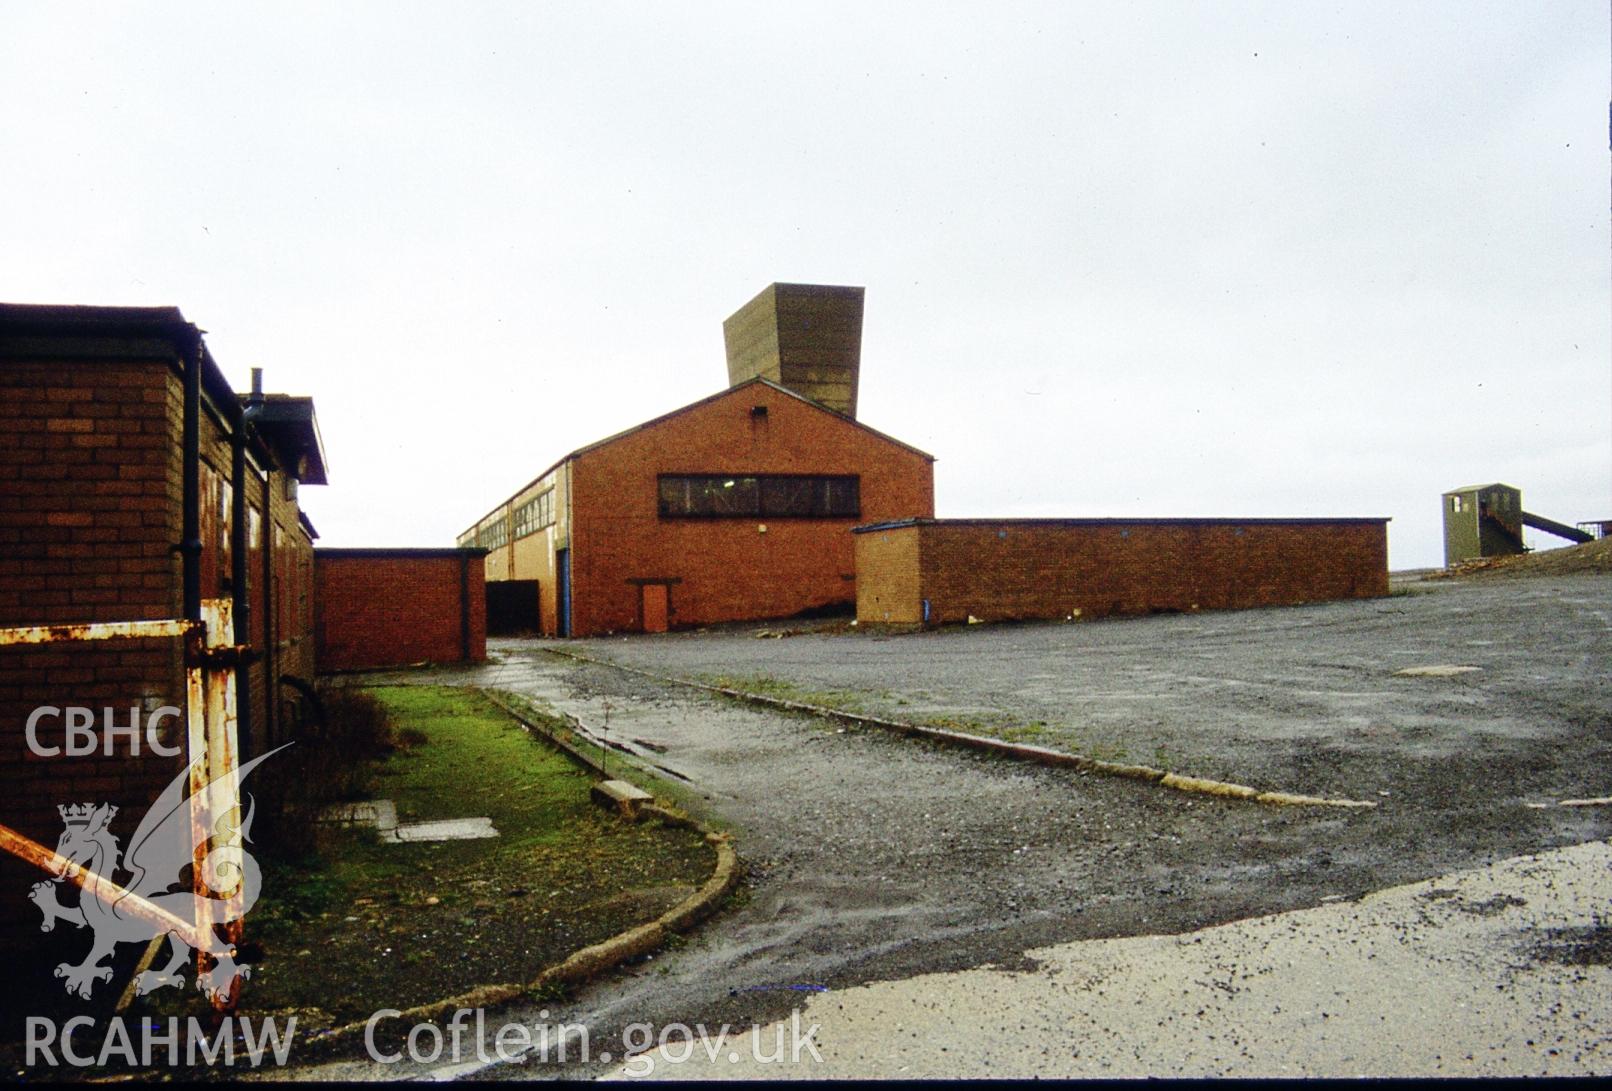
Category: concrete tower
[807,337]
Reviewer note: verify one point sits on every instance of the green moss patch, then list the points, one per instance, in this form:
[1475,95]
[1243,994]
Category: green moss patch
[367,924]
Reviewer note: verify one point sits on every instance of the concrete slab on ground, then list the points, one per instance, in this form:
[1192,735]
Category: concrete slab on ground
[621,796]
[382,815]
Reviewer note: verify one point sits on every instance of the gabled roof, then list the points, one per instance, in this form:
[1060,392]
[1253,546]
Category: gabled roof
[724,393]
[624,433]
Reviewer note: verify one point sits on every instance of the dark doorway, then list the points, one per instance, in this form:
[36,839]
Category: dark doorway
[513,607]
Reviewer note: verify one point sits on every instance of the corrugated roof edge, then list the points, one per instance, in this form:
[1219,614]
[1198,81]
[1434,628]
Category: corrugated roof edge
[561,461]
[1188,520]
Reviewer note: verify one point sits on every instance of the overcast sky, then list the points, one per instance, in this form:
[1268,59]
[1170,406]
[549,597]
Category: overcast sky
[1121,259]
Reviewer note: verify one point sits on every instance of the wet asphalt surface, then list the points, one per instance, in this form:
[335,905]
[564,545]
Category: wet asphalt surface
[874,857]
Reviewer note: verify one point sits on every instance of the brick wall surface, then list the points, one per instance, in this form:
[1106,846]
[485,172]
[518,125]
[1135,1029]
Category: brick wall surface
[728,569]
[888,588]
[1012,569]
[85,533]
[91,506]
[387,608]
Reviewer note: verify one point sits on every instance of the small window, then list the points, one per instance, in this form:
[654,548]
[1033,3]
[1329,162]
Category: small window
[226,523]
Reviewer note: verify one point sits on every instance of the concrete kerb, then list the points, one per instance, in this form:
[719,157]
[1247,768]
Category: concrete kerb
[570,749]
[1018,751]
[589,962]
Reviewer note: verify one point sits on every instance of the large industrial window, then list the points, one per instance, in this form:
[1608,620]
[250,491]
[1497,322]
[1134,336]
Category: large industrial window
[534,515]
[494,536]
[755,496]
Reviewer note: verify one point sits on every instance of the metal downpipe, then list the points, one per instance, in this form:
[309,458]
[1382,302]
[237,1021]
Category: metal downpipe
[190,544]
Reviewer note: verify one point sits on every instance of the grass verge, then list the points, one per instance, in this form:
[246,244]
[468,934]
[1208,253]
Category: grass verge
[1111,759]
[886,705]
[666,789]
[367,924]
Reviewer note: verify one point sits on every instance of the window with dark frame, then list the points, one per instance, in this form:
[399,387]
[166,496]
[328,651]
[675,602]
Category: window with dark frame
[535,514]
[494,536]
[759,496]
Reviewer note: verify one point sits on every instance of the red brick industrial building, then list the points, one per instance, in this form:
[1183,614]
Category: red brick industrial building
[95,406]
[742,506]
[738,506]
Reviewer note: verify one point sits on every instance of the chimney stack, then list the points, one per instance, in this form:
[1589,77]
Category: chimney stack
[806,337]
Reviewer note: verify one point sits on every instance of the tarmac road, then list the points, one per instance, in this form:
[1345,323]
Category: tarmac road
[1497,971]
[876,858]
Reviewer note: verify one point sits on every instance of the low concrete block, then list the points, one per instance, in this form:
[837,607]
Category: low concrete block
[448,829]
[380,813]
[621,796]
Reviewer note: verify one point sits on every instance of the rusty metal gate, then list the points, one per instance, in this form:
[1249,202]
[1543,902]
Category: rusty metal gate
[211,744]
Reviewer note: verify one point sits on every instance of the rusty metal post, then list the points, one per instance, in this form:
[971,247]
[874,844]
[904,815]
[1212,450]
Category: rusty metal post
[211,719]
[214,790]
[224,804]
[196,753]
[48,859]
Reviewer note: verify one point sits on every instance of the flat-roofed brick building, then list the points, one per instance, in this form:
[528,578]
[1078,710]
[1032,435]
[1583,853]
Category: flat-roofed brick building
[938,571]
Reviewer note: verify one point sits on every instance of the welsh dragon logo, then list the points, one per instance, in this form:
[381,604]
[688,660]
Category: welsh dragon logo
[162,847]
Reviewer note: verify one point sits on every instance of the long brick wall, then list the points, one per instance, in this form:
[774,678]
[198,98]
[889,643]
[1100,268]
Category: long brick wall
[392,607]
[940,571]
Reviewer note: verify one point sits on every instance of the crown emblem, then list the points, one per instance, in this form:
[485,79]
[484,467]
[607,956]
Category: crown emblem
[79,814]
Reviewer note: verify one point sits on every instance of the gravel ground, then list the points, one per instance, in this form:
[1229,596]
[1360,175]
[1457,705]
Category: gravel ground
[1302,699]
[879,858]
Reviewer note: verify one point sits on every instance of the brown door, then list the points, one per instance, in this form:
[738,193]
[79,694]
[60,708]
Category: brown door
[654,607]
